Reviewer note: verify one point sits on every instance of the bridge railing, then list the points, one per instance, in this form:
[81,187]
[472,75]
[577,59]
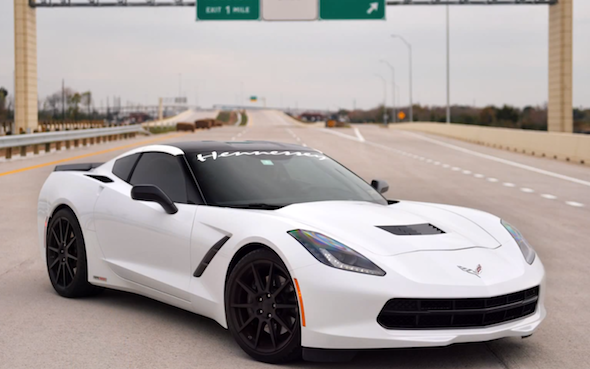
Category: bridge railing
[27,144]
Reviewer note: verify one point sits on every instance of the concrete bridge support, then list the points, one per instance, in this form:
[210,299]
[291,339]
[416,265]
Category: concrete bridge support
[25,67]
[560,106]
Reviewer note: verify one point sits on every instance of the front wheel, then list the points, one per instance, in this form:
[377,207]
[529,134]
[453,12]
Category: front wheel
[66,256]
[262,308]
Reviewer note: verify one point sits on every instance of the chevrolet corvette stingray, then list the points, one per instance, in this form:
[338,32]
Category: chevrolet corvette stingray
[293,253]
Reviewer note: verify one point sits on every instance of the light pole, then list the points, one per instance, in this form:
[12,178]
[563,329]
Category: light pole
[241,93]
[409,46]
[384,98]
[393,109]
[448,71]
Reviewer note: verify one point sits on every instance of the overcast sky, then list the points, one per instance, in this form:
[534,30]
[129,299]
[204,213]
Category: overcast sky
[498,56]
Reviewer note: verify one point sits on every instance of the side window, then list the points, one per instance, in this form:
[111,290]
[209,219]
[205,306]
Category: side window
[123,167]
[164,171]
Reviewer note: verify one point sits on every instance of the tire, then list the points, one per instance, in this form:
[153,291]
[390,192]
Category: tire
[66,256]
[262,308]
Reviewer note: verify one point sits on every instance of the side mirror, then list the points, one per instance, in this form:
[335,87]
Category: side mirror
[154,194]
[380,185]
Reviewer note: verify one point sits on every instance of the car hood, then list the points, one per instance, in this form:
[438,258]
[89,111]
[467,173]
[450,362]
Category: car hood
[356,224]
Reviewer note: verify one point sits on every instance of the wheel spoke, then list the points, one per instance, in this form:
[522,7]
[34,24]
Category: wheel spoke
[281,287]
[242,306]
[58,273]
[54,249]
[73,257]
[279,320]
[286,306]
[246,288]
[70,271]
[64,273]
[66,234]
[270,276]
[54,262]
[257,279]
[258,330]
[55,235]
[71,242]
[250,320]
[271,331]
[61,232]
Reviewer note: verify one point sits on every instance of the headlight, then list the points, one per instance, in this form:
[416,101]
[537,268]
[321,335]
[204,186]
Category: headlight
[527,250]
[335,254]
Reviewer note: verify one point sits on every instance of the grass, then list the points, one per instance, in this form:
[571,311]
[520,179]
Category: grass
[161,129]
[244,119]
[224,116]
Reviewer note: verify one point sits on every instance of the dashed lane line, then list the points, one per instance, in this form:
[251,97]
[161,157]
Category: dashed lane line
[501,160]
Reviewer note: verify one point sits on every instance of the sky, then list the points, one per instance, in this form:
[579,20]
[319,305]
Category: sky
[499,55]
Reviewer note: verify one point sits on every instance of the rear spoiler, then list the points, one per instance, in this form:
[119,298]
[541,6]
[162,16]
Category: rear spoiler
[82,167]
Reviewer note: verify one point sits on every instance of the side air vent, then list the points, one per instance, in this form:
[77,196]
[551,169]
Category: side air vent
[103,179]
[209,256]
[412,230]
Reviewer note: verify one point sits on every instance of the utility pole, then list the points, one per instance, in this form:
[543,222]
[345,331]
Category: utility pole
[409,46]
[448,71]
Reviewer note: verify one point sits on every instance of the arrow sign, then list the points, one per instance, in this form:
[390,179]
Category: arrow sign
[351,9]
[374,7]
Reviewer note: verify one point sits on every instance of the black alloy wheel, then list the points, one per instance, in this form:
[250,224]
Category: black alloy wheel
[66,256]
[262,308]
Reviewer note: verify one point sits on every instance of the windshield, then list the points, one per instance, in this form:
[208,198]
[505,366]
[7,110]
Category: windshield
[276,178]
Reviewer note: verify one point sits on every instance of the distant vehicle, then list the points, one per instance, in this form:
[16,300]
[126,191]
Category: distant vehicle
[289,250]
[312,117]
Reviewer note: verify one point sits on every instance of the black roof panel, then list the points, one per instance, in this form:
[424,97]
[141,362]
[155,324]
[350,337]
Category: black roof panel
[190,147]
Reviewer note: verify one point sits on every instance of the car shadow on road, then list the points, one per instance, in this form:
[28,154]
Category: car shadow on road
[470,355]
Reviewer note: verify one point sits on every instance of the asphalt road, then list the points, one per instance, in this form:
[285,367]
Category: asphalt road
[549,201]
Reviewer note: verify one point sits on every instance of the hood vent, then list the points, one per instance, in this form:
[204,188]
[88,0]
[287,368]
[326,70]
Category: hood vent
[412,230]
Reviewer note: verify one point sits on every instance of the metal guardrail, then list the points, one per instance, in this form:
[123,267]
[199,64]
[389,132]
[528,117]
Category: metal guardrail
[48,137]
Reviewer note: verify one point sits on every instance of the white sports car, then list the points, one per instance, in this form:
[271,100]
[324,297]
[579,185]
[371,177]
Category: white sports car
[289,250]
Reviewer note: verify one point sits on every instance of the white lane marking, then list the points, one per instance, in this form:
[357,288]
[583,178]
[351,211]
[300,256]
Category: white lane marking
[527,190]
[456,169]
[548,196]
[478,175]
[429,160]
[340,134]
[304,145]
[492,179]
[508,184]
[358,134]
[466,172]
[446,165]
[437,163]
[233,138]
[574,204]
[504,161]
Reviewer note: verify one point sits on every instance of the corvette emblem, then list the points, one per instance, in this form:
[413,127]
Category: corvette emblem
[475,272]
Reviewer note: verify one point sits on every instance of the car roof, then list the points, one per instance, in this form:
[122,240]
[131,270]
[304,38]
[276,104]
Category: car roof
[190,147]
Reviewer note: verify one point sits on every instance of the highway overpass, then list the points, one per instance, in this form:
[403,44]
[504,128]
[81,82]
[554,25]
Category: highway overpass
[549,200]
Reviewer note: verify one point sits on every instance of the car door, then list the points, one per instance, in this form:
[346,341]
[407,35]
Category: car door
[141,242]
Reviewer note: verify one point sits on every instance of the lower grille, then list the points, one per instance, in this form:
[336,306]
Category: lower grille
[457,313]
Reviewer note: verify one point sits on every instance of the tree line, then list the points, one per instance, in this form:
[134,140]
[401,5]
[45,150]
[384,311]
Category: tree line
[529,117]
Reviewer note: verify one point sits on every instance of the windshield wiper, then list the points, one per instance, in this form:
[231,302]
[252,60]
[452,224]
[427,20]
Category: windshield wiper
[257,205]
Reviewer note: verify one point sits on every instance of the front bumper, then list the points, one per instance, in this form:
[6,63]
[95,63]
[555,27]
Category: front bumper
[341,308]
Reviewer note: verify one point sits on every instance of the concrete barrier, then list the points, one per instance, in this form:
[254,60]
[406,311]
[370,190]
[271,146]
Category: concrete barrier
[564,146]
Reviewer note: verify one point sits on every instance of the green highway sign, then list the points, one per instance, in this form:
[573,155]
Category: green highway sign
[352,9]
[228,9]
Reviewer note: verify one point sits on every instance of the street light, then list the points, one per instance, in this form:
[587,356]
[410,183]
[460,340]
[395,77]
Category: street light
[393,109]
[409,46]
[448,70]
[384,98]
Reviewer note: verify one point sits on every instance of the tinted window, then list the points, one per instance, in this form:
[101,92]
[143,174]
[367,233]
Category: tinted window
[276,178]
[164,171]
[124,166]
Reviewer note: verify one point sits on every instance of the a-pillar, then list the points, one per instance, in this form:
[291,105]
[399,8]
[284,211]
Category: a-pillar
[560,107]
[25,65]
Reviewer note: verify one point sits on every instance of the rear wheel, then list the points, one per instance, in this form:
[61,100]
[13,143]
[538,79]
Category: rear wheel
[262,308]
[66,256]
